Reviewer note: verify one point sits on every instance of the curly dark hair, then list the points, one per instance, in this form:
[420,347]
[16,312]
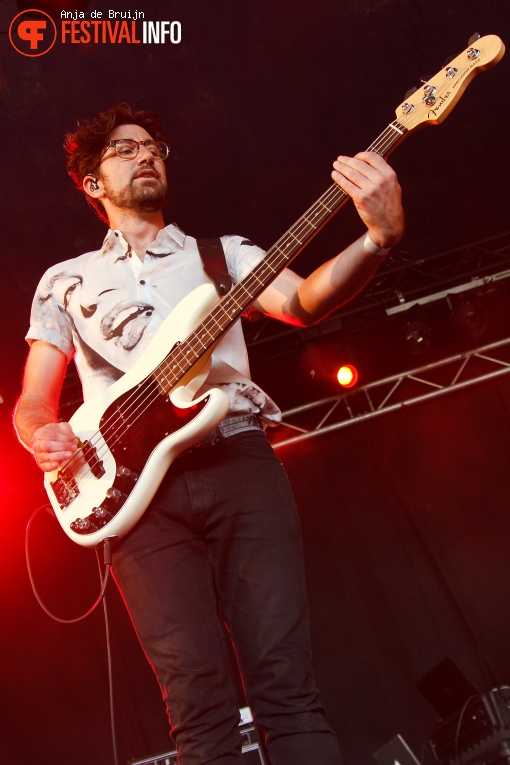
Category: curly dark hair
[85,146]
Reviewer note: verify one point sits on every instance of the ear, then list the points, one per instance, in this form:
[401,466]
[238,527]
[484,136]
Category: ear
[92,186]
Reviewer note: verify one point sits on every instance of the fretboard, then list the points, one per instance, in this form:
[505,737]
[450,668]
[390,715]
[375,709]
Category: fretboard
[184,356]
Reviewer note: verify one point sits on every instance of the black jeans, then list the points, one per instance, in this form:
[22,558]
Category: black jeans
[221,543]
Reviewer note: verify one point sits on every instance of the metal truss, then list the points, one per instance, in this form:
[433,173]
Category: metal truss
[403,281]
[376,398]
[393,393]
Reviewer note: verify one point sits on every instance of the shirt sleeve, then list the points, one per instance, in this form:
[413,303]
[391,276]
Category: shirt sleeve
[242,256]
[49,321]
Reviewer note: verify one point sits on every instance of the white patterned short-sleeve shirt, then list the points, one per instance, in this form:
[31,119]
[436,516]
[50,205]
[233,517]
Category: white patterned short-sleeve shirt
[104,308]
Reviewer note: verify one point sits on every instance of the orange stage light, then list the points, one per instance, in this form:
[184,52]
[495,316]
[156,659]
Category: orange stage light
[347,376]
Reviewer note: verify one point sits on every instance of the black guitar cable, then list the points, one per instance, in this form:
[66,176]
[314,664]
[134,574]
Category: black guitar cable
[104,579]
[107,564]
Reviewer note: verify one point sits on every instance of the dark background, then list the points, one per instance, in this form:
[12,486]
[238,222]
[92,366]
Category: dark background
[405,518]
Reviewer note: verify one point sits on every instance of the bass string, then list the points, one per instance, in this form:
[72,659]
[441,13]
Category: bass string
[114,424]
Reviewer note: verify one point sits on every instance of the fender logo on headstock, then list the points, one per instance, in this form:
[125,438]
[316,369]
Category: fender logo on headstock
[440,93]
[439,105]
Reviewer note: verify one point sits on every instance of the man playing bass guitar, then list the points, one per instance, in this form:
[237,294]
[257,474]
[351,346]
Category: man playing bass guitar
[220,540]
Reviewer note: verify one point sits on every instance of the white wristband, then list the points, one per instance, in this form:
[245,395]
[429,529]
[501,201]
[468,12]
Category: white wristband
[374,249]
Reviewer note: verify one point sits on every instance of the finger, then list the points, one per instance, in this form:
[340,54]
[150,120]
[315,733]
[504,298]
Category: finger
[372,158]
[52,460]
[66,448]
[48,466]
[54,450]
[357,172]
[356,188]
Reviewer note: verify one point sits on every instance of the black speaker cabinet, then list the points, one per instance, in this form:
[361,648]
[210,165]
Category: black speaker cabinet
[477,735]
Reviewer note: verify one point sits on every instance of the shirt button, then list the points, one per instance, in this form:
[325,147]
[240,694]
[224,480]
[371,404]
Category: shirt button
[142,281]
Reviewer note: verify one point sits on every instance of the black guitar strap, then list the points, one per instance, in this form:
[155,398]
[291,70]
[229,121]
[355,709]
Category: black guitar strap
[215,265]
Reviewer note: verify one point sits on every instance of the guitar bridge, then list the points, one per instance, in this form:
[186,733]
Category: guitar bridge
[65,488]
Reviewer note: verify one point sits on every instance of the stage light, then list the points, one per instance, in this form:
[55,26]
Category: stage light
[469,317]
[417,337]
[327,364]
[347,376]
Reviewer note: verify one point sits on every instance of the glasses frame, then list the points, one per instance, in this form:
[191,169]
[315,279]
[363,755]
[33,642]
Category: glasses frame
[113,145]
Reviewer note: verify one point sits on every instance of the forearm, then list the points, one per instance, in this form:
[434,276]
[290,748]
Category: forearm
[36,416]
[32,413]
[334,283]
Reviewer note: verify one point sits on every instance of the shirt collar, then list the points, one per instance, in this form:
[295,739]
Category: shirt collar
[169,240]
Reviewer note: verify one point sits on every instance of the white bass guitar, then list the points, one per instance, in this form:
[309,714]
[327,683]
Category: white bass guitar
[131,432]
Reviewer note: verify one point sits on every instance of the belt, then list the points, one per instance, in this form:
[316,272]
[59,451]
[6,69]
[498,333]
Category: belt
[227,428]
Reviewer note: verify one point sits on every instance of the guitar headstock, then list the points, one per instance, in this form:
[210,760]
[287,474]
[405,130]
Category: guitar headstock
[433,102]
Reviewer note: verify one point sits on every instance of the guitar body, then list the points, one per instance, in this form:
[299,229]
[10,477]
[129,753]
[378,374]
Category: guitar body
[131,432]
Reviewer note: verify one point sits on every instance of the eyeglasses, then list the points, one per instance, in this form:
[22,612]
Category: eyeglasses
[127,148]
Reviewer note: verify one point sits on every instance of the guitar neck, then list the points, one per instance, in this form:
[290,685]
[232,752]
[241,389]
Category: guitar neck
[297,237]
[429,105]
[277,258]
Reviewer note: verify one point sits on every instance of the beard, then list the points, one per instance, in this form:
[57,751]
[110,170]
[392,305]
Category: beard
[146,197]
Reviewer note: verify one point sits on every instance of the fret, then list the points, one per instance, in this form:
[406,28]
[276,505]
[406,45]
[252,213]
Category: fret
[211,336]
[266,270]
[225,307]
[289,248]
[163,382]
[306,227]
[253,284]
[229,307]
[175,365]
[217,321]
[190,352]
[325,206]
[266,261]
[248,294]
[254,276]
[312,225]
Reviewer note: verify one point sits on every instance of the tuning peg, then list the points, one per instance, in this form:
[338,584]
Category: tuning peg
[410,92]
[447,61]
[473,38]
[425,79]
